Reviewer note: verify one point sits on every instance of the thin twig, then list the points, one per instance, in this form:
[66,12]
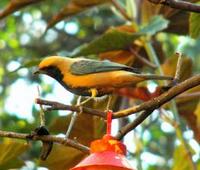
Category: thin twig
[177,4]
[59,106]
[121,10]
[142,59]
[174,123]
[73,119]
[176,80]
[130,126]
[42,112]
[162,99]
[47,138]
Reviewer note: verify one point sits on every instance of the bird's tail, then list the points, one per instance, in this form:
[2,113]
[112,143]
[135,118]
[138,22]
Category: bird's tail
[154,77]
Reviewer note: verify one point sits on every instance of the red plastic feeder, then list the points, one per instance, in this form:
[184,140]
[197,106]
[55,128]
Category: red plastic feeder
[106,153]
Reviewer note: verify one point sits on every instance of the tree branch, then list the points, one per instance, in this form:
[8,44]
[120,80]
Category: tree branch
[122,132]
[178,4]
[46,138]
[149,105]
[59,106]
[130,126]
[162,99]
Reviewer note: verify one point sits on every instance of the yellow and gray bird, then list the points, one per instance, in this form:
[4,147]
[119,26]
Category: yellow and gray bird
[86,77]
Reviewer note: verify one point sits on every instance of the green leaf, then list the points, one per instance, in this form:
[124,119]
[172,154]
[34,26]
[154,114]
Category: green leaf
[194,26]
[156,24]
[111,40]
[119,40]
[9,153]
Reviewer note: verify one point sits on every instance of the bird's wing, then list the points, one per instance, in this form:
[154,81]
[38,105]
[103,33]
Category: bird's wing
[83,67]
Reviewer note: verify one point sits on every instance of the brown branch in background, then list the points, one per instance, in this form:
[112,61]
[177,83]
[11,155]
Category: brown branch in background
[162,99]
[130,126]
[178,4]
[142,59]
[73,119]
[189,96]
[121,10]
[59,106]
[46,138]
[178,68]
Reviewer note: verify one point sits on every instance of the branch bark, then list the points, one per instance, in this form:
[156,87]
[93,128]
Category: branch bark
[130,126]
[46,138]
[182,5]
[59,106]
[162,99]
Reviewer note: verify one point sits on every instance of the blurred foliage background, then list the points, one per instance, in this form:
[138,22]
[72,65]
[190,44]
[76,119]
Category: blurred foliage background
[168,139]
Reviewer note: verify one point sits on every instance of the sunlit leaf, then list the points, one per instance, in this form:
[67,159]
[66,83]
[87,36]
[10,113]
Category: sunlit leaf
[194,25]
[181,159]
[15,5]
[169,67]
[155,25]
[9,154]
[148,11]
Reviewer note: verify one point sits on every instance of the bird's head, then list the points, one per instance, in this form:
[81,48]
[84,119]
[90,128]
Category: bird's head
[54,66]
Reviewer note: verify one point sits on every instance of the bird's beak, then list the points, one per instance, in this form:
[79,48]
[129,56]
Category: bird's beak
[39,72]
[36,72]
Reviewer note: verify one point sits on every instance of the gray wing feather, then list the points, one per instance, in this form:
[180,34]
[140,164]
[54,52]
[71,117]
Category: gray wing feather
[83,67]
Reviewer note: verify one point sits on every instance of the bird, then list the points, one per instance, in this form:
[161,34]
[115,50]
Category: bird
[88,77]
[93,78]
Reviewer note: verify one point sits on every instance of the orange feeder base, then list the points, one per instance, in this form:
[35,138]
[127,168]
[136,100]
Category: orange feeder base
[106,154]
[106,160]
